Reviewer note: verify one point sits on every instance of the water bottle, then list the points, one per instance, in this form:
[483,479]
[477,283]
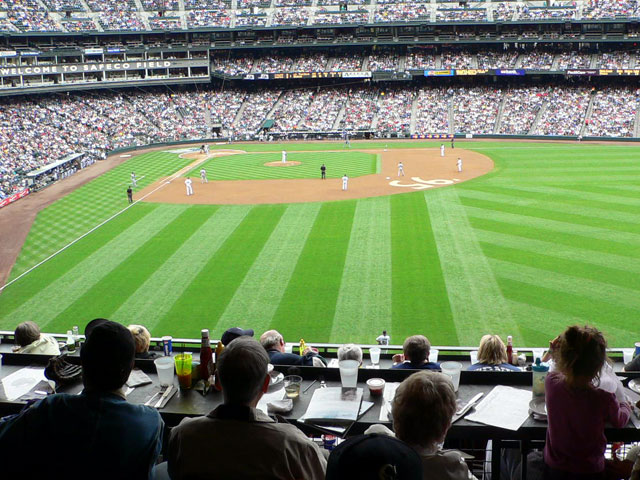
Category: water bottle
[539,375]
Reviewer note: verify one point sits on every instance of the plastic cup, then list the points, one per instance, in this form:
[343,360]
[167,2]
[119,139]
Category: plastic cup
[374,352]
[627,354]
[292,385]
[537,353]
[433,355]
[453,370]
[473,355]
[376,386]
[348,373]
[164,365]
[183,369]
[288,348]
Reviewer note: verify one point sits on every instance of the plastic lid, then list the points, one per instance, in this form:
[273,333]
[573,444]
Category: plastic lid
[205,332]
[539,367]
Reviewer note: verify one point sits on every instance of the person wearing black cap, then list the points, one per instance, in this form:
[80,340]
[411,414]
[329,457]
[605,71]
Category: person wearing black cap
[374,456]
[236,440]
[231,334]
[106,436]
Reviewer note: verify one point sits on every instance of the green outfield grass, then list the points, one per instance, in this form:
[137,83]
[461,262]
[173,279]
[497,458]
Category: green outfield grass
[251,166]
[550,237]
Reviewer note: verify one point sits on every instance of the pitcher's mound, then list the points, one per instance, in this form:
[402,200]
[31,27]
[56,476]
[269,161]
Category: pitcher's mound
[281,164]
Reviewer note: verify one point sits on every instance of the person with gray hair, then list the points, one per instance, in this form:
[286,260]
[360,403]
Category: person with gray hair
[225,435]
[350,351]
[273,343]
[422,410]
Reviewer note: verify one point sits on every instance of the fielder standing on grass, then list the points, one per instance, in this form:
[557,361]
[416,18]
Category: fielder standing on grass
[133,179]
[188,182]
[459,164]
[345,182]
[323,172]
[203,176]
[284,157]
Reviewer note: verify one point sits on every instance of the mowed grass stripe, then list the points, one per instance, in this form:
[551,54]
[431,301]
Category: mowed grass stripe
[155,297]
[420,303]
[256,300]
[308,306]
[599,291]
[580,212]
[364,299]
[251,166]
[89,205]
[55,298]
[575,253]
[210,291]
[615,196]
[588,309]
[538,323]
[127,277]
[539,223]
[476,301]
[49,272]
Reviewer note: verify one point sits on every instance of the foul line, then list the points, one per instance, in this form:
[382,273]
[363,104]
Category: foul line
[167,182]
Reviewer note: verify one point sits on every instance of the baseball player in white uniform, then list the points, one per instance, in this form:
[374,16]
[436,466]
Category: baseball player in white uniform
[203,176]
[442,150]
[345,182]
[188,183]
[400,169]
[206,149]
[459,164]
[284,157]
[133,179]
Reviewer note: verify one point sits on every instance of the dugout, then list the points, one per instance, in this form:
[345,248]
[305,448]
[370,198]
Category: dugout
[40,178]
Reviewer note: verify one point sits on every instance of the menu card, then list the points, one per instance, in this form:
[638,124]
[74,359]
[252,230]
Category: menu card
[334,405]
[504,407]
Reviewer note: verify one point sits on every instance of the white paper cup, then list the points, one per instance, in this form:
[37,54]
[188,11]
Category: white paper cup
[374,352]
[166,370]
[349,372]
[433,355]
[473,355]
[537,353]
[452,369]
[627,354]
[288,348]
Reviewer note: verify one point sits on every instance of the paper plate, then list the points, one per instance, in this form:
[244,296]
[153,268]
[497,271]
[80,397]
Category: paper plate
[635,385]
[538,407]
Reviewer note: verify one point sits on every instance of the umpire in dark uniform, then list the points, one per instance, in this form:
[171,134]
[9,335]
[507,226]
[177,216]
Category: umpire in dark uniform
[130,194]
[323,171]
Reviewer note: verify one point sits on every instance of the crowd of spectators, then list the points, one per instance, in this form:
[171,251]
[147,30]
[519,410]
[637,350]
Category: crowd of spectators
[394,110]
[475,109]
[312,62]
[340,18]
[432,113]
[504,11]
[613,113]
[121,20]
[614,60]
[208,18]
[290,16]
[420,60]
[565,112]
[30,16]
[402,12]
[42,129]
[79,24]
[347,63]
[457,59]
[521,106]
[165,23]
[567,60]
[250,19]
[274,64]
[610,8]
[536,60]
[160,5]
[382,62]
[543,13]
[64,5]
[232,65]
[475,12]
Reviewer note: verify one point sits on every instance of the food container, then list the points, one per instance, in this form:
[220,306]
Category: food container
[376,386]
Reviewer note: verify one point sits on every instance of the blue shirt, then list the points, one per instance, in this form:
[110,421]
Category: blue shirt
[503,367]
[96,435]
[424,366]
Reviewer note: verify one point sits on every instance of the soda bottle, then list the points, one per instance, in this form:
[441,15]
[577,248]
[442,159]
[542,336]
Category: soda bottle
[206,356]
[510,349]
[303,346]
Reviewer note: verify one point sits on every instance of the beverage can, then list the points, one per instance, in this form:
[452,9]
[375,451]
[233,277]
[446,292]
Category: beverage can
[167,345]
[329,442]
[637,352]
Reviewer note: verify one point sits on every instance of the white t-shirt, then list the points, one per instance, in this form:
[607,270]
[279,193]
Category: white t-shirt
[187,182]
[383,339]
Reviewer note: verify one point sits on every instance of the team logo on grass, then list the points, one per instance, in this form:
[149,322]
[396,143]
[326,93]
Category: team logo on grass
[422,184]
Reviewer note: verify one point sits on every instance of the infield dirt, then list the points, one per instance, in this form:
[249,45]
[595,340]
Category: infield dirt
[421,166]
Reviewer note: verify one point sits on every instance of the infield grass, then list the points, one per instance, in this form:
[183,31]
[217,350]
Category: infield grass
[550,237]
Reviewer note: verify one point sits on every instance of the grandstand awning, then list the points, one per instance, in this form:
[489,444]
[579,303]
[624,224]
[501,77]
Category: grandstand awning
[56,164]
[268,123]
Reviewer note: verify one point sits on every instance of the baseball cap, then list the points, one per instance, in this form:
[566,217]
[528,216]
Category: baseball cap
[374,456]
[233,333]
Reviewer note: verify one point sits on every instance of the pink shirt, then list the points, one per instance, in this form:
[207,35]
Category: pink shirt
[575,436]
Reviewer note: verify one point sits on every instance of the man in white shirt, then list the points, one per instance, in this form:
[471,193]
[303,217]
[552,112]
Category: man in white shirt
[400,169]
[203,176]
[345,182]
[188,182]
[459,164]
[442,150]
[284,157]
[383,339]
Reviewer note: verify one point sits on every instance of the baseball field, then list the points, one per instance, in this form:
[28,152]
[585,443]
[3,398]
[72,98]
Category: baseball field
[546,237]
